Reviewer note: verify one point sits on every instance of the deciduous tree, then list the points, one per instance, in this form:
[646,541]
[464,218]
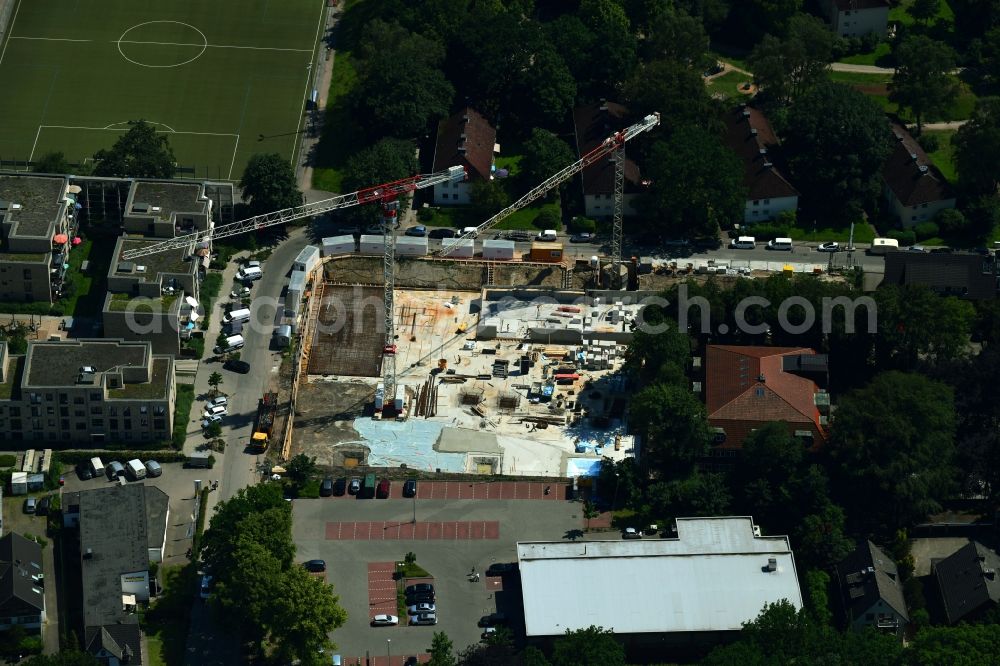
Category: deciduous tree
[923,10]
[977,149]
[785,68]
[922,81]
[441,650]
[52,163]
[215,380]
[300,468]
[672,420]
[697,184]
[301,615]
[544,155]
[676,35]
[593,646]
[675,91]
[916,326]
[893,448]
[268,184]
[821,123]
[139,153]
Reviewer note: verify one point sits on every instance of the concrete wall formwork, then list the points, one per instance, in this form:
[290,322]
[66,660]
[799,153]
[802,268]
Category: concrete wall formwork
[418,273]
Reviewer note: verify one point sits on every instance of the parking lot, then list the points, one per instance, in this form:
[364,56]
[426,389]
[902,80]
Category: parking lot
[460,601]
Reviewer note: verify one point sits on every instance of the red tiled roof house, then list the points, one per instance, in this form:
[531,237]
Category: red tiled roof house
[855,18]
[465,138]
[746,387]
[912,185]
[592,125]
[749,135]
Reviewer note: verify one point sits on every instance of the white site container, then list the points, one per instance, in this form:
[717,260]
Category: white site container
[498,249]
[411,247]
[307,260]
[333,245]
[463,248]
[371,244]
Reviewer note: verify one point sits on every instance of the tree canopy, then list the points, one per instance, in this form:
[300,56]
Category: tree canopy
[544,154]
[922,81]
[139,153]
[977,149]
[672,418]
[697,184]
[837,140]
[269,184]
[593,646]
[785,68]
[893,446]
[55,162]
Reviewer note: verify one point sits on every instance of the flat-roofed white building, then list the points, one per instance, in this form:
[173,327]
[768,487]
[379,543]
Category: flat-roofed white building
[717,574]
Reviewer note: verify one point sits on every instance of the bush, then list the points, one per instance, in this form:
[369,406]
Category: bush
[182,414]
[950,220]
[929,142]
[580,224]
[769,230]
[549,218]
[905,237]
[425,215]
[925,230]
[7,460]
[309,490]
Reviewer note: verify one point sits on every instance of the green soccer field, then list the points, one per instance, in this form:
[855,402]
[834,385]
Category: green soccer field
[223,78]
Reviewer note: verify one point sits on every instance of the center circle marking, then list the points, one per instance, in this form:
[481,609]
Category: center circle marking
[204,44]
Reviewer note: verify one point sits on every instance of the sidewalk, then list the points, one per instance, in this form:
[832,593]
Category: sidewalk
[327,56]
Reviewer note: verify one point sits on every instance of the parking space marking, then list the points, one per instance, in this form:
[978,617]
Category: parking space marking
[421,531]
[479,490]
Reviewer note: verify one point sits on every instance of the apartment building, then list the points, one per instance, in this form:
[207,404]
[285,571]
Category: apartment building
[467,139]
[592,124]
[37,223]
[86,392]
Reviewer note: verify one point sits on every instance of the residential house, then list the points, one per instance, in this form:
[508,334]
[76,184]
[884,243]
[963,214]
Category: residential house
[963,274]
[748,386]
[750,136]
[37,224]
[464,139]
[856,18]
[86,392]
[872,591]
[593,124]
[121,530]
[698,587]
[914,188]
[967,581]
[164,209]
[22,598]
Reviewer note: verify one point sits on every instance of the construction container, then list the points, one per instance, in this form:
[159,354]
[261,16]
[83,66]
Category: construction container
[282,336]
[397,402]
[307,260]
[464,248]
[296,286]
[333,245]
[543,251]
[19,483]
[372,244]
[407,246]
[499,250]
[379,396]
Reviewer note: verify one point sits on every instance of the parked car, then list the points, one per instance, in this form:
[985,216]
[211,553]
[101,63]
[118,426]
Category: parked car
[940,250]
[326,488]
[217,410]
[316,566]
[206,422]
[424,607]
[411,661]
[410,488]
[493,620]
[384,486]
[425,598]
[424,619]
[419,231]
[443,233]
[218,401]
[354,487]
[581,238]
[241,367]
[487,632]
[420,588]
[631,533]
[30,505]
[500,568]
[240,293]
[114,470]
[42,509]
[828,247]
[916,248]
[83,472]
[385,621]
[340,486]
[252,264]
[206,586]
[153,469]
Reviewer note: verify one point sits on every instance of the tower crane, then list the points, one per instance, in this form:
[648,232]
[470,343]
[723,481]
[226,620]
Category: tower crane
[614,145]
[375,194]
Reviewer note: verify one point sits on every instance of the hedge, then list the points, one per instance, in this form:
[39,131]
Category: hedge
[926,230]
[906,237]
[76,457]
[8,460]
[182,414]
[199,528]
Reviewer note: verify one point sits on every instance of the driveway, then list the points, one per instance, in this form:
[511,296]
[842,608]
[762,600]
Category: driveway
[460,602]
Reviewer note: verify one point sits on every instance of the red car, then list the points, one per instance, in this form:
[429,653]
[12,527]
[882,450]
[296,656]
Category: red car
[382,492]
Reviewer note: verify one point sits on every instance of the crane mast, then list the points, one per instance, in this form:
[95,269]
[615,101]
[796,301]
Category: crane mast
[613,145]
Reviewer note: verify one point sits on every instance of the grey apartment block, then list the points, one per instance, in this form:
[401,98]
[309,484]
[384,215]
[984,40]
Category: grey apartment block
[87,392]
[164,209]
[35,211]
[157,320]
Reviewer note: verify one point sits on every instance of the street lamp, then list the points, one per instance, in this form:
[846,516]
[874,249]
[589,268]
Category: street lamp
[388,659]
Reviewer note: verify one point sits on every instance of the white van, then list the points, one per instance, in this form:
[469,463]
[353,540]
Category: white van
[233,342]
[96,466]
[883,245]
[780,244]
[549,235]
[743,243]
[470,230]
[135,470]
[250,273]
[243,314]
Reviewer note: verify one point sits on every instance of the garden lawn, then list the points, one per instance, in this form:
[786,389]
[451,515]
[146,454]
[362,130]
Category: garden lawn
[728,84]
[863,233]
[944,156]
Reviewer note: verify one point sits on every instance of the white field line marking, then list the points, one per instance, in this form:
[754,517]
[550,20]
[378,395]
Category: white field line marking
[125,122]
[233,163]
[129,41]
[10,30]
[33,146]
[122,129]
[296,140]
